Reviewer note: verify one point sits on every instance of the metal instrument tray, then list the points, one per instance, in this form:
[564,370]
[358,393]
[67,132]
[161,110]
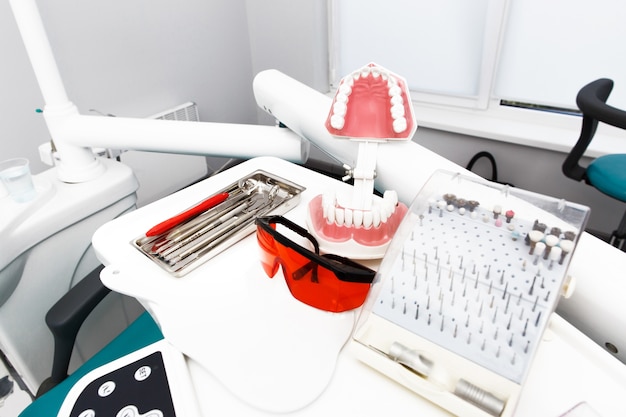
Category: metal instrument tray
[190,244]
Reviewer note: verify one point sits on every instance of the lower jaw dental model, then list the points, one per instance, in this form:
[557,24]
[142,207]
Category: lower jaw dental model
[372,106]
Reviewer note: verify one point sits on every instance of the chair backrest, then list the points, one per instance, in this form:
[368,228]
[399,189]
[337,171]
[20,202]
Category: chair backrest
[591,101]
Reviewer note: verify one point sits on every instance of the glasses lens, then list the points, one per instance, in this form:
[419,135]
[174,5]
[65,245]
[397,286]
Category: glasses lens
[308,281]
[269,256]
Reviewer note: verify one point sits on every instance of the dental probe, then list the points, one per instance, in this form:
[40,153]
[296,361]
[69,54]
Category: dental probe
[187,229]
[214,226]
[174,236]
[232,228]
[183,234]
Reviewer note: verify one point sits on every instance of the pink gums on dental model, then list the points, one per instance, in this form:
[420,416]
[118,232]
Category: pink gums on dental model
[372,105]
[374,232]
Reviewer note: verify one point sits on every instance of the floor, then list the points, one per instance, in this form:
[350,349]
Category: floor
[15,402]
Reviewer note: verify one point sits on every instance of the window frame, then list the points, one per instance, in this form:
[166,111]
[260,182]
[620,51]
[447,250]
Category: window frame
[484,116]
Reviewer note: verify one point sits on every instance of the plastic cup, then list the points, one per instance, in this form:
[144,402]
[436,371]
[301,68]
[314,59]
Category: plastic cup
[15,175]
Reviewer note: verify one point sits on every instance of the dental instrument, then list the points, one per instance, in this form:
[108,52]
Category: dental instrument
[186,215]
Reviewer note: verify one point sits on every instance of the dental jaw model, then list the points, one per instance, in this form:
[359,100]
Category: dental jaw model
[372,106]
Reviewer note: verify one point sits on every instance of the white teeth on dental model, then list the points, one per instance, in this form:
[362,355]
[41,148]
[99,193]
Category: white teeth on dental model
[385,213]
[348,218]
[397,109]
[395,90]
[346,87]
[328,205]
[337,122]
[400,125]
[390,201]
[339,108]
[381,211]
[397,100]
[330,216]
[328,199]
[376,218]
[342,98]
[391,197]
[357,218]
[340,215]
[367,219]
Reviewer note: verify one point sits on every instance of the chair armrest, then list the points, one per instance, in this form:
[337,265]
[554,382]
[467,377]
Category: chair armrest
[591,100]
[65,319]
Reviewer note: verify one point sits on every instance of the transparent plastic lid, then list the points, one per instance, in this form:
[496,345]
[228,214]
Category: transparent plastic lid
[475,270]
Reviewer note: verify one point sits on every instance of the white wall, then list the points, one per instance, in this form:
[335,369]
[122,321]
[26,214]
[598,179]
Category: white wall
[292,37]
[21,128]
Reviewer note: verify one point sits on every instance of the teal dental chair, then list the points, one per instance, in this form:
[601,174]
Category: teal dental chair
[606,173]
[64,320]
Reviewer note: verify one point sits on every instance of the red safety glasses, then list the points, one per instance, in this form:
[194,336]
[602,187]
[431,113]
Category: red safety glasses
[328,282]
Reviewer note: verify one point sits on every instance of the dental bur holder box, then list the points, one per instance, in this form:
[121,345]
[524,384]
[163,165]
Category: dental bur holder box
[465,292]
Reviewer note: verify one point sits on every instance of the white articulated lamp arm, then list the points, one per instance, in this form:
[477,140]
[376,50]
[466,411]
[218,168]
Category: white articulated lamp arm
[80,159]
[74,134]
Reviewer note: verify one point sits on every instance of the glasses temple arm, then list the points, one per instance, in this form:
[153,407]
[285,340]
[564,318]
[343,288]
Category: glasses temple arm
[303,270]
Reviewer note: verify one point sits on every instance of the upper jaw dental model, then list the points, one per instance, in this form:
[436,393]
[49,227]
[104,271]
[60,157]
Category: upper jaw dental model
[372,105]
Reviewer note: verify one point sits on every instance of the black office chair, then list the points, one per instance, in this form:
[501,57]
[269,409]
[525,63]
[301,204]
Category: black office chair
[606,173]
[64,320]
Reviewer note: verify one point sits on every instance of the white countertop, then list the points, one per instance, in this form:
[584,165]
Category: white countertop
[235,324]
